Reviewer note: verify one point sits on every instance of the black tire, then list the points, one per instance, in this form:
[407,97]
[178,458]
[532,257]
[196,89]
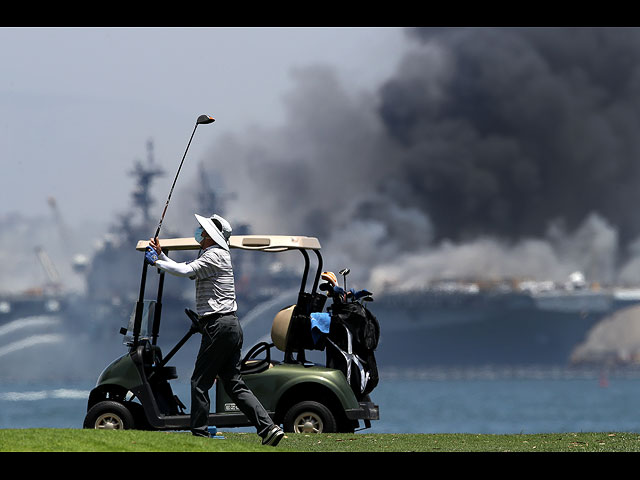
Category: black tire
[309,417]
[109,415]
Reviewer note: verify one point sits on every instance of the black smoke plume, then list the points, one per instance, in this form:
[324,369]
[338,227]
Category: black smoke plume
[490,151]
[521,126]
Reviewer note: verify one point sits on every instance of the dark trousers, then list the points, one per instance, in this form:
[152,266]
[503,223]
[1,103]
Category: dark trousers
[219,355]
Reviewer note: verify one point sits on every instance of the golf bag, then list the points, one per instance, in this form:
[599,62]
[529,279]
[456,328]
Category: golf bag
[298,336]
[353,337]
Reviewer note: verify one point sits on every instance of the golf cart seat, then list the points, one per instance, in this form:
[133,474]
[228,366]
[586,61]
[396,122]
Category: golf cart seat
[280,337]
[291,328]
[281,327]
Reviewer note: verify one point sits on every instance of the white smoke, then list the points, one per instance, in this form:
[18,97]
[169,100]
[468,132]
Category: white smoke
[591,249]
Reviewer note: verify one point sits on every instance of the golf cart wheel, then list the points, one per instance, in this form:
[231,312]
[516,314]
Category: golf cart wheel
[109,415]
[309,417]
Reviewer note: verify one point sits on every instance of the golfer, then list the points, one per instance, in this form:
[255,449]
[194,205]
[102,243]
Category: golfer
[219,353]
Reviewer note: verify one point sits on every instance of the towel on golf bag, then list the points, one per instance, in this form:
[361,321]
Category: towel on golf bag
[320,324]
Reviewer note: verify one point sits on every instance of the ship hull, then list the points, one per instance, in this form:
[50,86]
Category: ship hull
[475,330]
[21,306]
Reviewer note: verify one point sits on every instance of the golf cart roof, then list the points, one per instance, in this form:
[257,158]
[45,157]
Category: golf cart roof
[265,243]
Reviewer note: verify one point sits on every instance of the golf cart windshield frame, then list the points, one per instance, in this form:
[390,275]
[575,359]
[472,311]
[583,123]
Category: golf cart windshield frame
[262,243]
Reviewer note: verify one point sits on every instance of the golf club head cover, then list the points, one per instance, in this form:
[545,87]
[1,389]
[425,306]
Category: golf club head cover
[362,293]
[339,295]
[150,256]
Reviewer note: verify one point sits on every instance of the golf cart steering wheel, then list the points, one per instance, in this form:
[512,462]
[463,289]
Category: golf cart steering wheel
[256,365]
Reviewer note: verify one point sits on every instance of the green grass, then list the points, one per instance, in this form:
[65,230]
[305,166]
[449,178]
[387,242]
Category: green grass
[78,440]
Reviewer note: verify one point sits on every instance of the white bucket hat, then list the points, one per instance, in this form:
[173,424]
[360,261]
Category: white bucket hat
[221,237]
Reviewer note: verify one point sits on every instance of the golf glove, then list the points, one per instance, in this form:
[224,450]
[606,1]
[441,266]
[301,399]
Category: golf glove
[150,256]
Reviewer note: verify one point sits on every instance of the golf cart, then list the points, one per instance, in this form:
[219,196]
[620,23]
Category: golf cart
[134,390]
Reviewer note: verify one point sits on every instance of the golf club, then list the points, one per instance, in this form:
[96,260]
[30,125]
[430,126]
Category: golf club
[344,272]
[202,120]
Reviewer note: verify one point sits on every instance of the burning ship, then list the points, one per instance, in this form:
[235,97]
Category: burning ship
[475,323]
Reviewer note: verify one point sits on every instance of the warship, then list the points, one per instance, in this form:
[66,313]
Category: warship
[47,298]
[499,323]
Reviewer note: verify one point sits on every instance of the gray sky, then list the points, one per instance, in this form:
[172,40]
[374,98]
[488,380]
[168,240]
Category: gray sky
[79,104]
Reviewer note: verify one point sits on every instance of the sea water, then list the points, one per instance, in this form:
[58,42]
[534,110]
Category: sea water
[484,401]
[501,402]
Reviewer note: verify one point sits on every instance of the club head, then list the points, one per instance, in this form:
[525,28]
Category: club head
[344,272]
[204,119]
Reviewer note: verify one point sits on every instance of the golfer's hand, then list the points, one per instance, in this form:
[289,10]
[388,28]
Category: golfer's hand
[155,244]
